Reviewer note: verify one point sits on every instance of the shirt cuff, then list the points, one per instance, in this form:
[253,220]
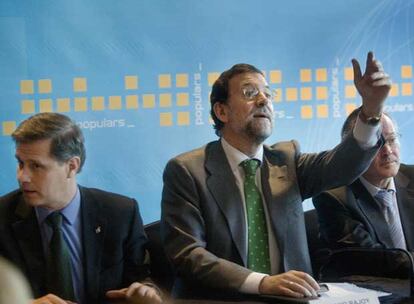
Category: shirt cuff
[366,135]
[252,283]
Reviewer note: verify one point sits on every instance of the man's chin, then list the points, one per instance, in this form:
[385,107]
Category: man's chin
[31,198]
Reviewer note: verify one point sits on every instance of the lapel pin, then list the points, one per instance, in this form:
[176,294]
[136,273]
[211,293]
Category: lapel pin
[98,230]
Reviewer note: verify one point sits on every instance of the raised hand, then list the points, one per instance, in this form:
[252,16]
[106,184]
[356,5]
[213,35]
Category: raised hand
[373,86]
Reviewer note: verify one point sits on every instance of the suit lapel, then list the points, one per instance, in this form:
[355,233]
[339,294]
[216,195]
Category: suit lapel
[372,212]
[222,186]
[27,234]
[93,236]
[405,200]
[273,181]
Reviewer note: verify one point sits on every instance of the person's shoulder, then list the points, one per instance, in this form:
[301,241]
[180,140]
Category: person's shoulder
[105,197]
[283,152]
[10,198]
[197,153]
[194,158]
[407,169]
[338,192]
[9,203]
[283,147]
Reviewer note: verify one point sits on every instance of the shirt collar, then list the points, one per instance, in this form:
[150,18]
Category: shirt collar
[70,212]
[235,157]
[373,190]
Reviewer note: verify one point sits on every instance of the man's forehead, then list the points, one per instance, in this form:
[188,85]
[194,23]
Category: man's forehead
[388,126]
[249,78]
[33,149]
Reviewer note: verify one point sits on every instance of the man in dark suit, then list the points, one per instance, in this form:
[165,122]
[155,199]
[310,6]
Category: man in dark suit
[355,216]
[101,237]
[230,228]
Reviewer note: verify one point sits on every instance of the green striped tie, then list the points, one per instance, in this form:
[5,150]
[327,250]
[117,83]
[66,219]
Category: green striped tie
[258,247]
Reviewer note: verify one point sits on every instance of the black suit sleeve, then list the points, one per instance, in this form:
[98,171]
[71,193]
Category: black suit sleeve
[136,267]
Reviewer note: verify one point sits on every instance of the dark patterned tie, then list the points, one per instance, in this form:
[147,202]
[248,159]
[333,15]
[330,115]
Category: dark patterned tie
[258,243]
[386,198]
[59,269]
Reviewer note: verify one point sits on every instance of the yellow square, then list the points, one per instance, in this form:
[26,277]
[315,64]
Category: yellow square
[115,103]
[322,111]
[131,82]
[306,112]
[183,118]
[98,103]
[349,73]
[321,93]
[45,105]
[291,94]
[212,77]
[165,119]
[164,81]
[406,89]
[28,106]
[80,85]
[63,104]
[275,76]
[278,95]
[305,75]
[81,104]
[406,71]
[44,86]
[8,127]
[350,91]
[165,100]
[132,101]
[321,75]
[349,107]
[182,99]
[394,90]
[148,101]
[306,93]
[181,80]
[26,87]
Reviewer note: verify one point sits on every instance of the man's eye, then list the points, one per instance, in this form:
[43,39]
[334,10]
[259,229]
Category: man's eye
[35,166]
[250,92]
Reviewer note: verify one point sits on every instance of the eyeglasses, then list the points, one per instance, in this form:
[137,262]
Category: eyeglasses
[392,140]
[250,92]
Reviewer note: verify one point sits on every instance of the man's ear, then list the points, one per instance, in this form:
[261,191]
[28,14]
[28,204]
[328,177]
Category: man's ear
[73,166]
[221,111]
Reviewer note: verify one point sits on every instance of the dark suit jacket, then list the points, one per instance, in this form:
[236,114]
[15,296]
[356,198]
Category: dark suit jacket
[203,224]
[350,217]
[113,254]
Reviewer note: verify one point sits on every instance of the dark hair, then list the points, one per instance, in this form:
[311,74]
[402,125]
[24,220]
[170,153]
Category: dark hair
[66,137]
[220,90]
[350,121]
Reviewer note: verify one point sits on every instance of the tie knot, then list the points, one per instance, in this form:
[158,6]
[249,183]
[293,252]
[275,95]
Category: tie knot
[385,197]
[250,166]
[54,220]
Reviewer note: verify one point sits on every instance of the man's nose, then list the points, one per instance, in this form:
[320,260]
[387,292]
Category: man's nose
[387,149]
[23,175]
[262,99]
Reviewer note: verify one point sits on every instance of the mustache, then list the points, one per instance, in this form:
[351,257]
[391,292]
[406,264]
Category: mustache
[389,159]
[264,112]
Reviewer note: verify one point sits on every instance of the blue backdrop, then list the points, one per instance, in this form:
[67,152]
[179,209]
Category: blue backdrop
[136,75]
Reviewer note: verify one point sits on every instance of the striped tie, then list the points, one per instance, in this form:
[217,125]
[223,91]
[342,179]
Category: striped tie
[386,199]
[258,243]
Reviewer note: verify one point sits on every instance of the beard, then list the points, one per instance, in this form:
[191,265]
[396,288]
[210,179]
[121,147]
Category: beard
[259,131]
